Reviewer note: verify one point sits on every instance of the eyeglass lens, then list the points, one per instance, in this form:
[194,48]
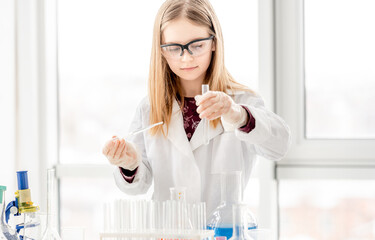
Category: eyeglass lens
[195,48]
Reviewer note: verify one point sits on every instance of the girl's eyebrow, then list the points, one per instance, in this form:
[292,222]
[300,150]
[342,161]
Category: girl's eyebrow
[177,42]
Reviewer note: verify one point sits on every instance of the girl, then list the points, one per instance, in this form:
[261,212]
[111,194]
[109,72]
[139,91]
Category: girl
[188,51]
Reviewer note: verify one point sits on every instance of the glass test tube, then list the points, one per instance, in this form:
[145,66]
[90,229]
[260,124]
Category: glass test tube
[206,123]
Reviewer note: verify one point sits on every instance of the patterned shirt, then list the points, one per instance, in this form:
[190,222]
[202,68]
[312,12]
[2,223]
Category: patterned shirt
[191,117]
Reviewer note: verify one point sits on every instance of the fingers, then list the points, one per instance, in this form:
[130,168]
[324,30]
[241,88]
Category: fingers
[120,150]
[214,111]
[107,147]
[200,99]
[207,100]
[113,149]
[213,105]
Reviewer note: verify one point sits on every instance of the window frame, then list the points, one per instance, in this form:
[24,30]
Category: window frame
[356,154]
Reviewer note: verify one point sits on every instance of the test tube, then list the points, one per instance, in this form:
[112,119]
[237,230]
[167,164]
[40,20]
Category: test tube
[206,123]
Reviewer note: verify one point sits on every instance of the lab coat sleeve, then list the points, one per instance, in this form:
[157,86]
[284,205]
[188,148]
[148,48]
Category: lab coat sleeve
[143,178]
[271,136]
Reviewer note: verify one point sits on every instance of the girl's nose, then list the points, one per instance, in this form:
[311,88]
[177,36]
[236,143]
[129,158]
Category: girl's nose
[186,56]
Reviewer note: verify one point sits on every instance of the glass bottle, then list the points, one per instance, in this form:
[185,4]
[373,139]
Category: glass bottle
[221,219]
[50,232]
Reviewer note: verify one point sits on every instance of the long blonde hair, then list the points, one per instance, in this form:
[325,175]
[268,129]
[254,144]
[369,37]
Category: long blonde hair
[163,84]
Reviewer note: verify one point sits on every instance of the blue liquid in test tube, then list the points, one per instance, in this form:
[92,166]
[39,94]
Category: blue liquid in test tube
[206,123]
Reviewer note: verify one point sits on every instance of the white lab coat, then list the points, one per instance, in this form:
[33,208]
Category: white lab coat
[174,161]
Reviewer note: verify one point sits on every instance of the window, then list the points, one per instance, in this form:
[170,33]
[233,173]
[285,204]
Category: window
[339,74]
[322,75]
[327,209]
[7,96]
[311,96]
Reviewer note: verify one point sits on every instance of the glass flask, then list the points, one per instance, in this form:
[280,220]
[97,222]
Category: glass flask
[240,222]
[50,232]
[32,226]
[221,219]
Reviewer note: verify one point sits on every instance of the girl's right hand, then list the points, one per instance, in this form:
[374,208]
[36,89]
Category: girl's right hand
[121,153]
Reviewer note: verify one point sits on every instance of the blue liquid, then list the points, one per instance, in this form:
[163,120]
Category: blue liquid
[225,231]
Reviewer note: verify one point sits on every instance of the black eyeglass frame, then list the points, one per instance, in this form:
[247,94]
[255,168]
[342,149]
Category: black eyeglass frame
[186,46]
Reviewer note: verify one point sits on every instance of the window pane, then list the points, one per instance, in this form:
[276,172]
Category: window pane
[103,60]
[340,76]
[327,210]
[7,97]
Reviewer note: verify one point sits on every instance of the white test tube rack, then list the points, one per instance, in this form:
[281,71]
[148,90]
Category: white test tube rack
[125,219]
[193,234]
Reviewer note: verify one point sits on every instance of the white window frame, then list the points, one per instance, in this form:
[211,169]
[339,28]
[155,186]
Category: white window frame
[336,158]
[35,95]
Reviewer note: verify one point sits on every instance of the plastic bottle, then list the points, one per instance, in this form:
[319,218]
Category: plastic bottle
[221,219]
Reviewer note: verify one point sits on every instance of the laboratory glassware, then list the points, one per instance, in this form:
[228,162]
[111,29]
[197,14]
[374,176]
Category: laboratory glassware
[32,226]
[50,233]
[177,193]
[6,231]
[221,219]
[240,229]
[143,129]
[177,210]
[22,209]
[71,233]
[262,234]
[206,122]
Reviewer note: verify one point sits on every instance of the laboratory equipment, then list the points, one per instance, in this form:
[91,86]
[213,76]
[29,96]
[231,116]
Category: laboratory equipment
[6,231]
[143,129]
[221,219]
[240,229]
[179,209]
[22,208]
[170,219]
[73,233]
[262,234]
[50,233]
[206,122]
[177,193]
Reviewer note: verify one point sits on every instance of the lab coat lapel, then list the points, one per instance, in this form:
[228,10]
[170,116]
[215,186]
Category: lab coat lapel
[177,134]
[198,139]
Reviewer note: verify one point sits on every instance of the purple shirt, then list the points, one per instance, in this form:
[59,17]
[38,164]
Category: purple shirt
[191,121]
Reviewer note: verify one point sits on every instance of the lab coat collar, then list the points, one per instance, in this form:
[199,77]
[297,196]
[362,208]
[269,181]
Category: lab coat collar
[176,131]
[198,138]
[177,134]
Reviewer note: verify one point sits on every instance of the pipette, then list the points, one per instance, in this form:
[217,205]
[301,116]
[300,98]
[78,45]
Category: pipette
[205,88]
[143,129]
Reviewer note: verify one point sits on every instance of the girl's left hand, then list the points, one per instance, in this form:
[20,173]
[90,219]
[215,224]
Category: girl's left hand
[214,104]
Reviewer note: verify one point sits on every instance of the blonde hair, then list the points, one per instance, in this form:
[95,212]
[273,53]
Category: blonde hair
[163,84]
